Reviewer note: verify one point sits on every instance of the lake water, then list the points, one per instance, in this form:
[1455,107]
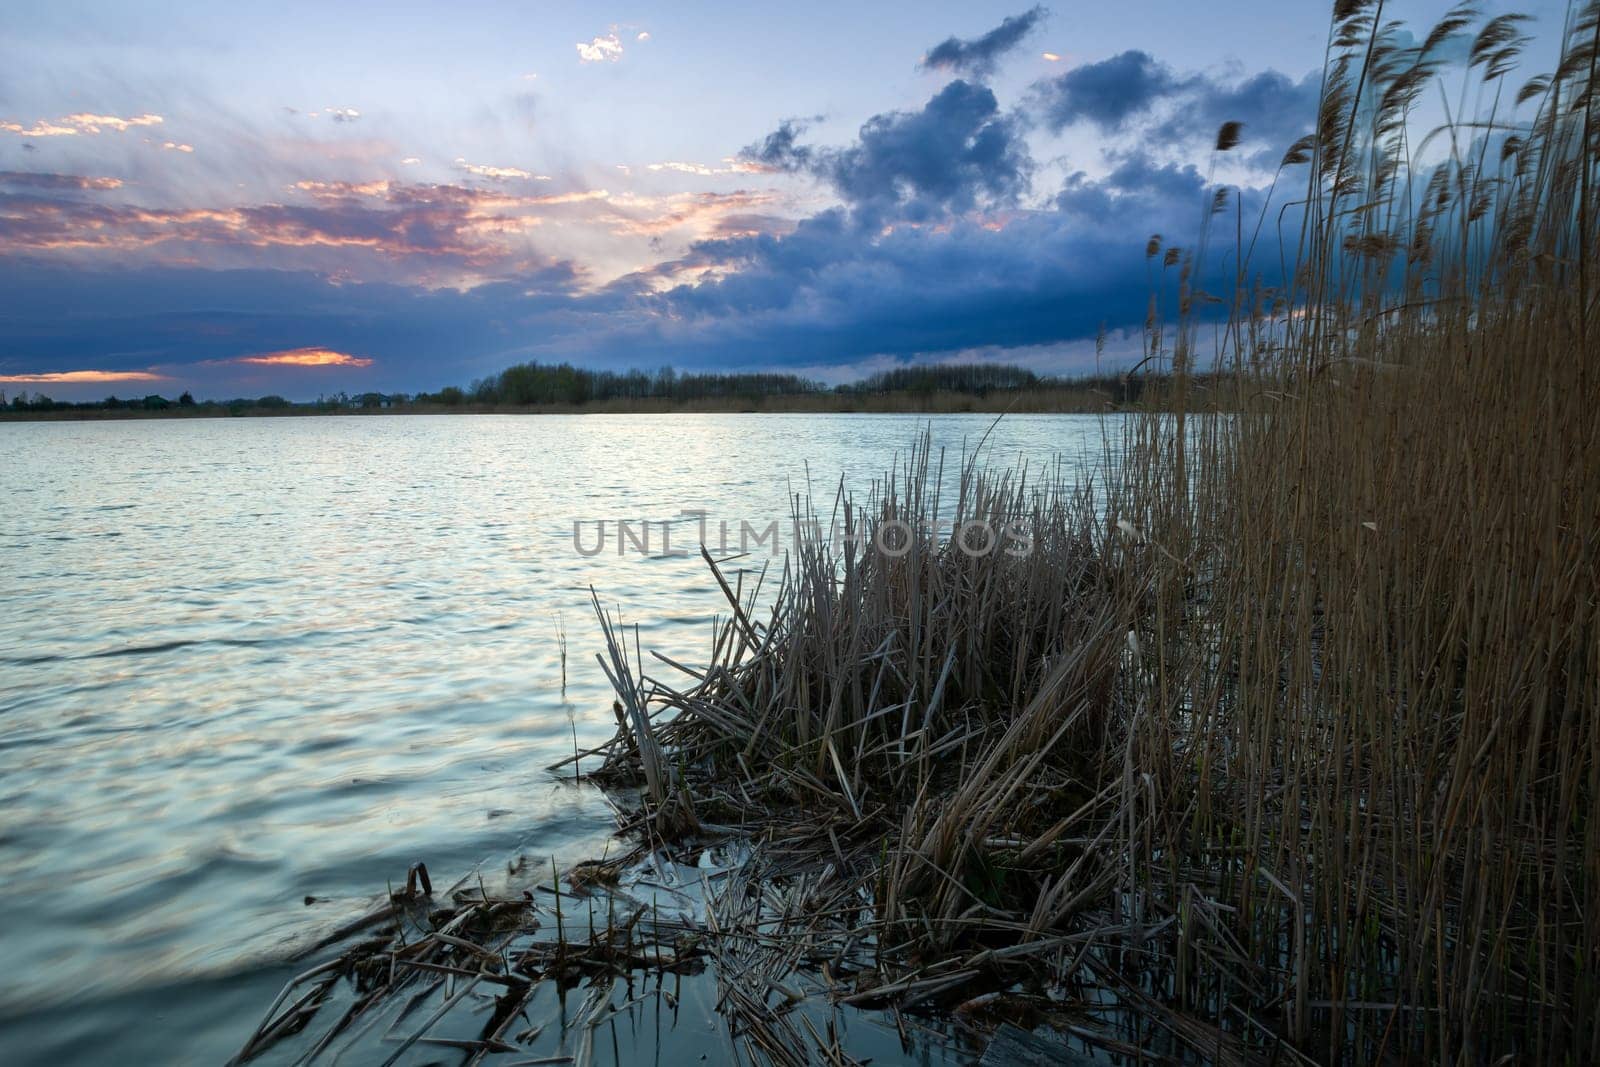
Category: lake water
[248,662]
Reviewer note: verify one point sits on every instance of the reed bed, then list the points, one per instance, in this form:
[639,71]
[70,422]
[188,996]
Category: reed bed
[1286,731]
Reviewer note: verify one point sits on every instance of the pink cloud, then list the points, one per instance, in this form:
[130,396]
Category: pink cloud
[82,377]
[303,357]
[83,122]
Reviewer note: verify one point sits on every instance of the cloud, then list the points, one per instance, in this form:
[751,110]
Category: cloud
[600,50]
[979,56]
[303,357]
[824,293]
[193,322]
[1138,195]
[781,149]
[336,190]
[1050,57]
[956,154]
[1132,87]
[83,122]
[649,216]
[1110,92]
[733,166]
[577,196]
[931,251]
[759,290]
[751,224]
[685,168]
[337,114]
[55,182]
[937,240]
[828,292]
[403,229]
[459,234]
[93,123]
[174,146]
[500,173]
[1274,108]
[82,377]
[40,129]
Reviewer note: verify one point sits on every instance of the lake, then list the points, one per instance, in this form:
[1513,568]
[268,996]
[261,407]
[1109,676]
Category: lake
[252,669]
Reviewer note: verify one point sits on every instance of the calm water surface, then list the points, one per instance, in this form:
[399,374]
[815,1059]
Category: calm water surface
[248,662]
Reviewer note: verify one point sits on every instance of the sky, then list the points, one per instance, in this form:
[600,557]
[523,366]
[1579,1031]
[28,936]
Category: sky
[301,199]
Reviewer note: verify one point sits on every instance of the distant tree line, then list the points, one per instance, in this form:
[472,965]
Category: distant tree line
[976,378]
[528,384]
[185,402]
[562,384]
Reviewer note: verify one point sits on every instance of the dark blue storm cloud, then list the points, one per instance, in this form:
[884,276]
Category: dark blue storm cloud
[978,57]
[958,153]
[1114,93]
[781,149]
[1110,92]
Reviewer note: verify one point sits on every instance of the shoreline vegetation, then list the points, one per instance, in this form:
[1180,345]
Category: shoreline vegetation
[1283,745]
[561,389]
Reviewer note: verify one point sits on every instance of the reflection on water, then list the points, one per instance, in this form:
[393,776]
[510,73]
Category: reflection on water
[244,663]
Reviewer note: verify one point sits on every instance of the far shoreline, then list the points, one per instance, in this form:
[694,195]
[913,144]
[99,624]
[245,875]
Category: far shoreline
[1042,402]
